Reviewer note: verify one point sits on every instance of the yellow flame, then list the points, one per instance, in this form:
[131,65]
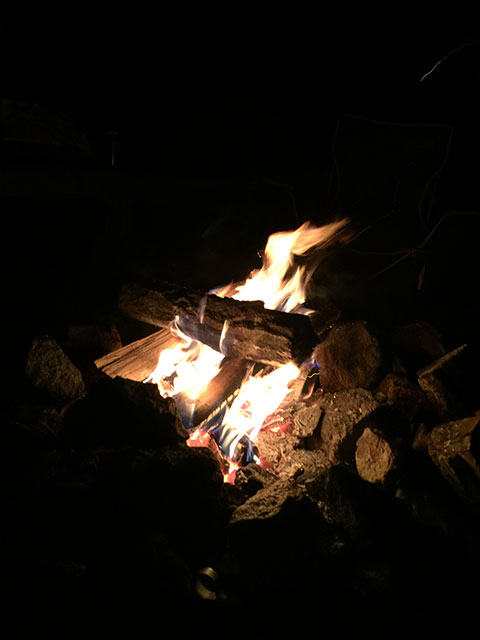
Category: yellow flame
[257,399]
[272,284]
[185,368]
[189,366]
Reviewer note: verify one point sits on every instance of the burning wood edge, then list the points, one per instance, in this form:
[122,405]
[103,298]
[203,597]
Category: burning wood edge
[238,329]
[223,387]
[137,360]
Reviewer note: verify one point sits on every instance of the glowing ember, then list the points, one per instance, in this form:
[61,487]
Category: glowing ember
[186,369]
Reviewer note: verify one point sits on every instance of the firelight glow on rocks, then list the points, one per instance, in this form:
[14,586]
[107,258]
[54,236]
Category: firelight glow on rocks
[189,366]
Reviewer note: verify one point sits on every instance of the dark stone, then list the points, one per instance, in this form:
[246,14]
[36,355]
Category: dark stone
[118,413]
[416,344]
[305,419]
[455,449]
[341,423]
[350,357]
[273,447]
[363,514]
[406,396]
[276,547]
[252,478]
[52,373]
[450,384]
[376,459]
[299,462]
[86,343]
[180,490]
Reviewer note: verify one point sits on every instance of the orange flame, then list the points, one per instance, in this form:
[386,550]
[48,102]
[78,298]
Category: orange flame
[270,283]
[189,366]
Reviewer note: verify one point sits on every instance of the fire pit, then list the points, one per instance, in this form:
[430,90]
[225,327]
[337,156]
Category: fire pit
[239,350]
[256,428]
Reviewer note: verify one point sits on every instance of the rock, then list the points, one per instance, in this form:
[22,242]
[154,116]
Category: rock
[118,413]
[416,344]
[377,461]
[277,542]
[273,447]
[52,373]
[341,423]
[300,462]
[362,514]
[252,478]
[181,491]
[455,449]
[274,501]
[86,343]
[306,419]
[405,395]
[349,358]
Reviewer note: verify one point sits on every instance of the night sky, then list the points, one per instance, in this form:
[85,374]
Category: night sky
[207,96]
[242,92]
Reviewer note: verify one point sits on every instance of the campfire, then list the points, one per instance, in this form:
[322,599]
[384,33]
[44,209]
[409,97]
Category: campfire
[233,364]
[254,444]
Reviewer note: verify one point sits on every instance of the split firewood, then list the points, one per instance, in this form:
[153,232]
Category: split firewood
[220,388]
[238,329]
[137,360]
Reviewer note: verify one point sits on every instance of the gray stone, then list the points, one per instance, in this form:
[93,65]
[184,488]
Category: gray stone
[52,373]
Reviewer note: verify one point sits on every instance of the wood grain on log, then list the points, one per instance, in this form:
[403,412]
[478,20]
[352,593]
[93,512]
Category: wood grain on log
[136,360]
[238,329]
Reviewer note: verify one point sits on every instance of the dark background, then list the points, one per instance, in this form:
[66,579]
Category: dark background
[222,127]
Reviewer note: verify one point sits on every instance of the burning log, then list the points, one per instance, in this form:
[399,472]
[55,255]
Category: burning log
[238,329]
[220,388]
[136,360]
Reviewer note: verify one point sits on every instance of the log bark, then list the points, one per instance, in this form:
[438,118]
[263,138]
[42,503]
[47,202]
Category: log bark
[136,360]
[238,329]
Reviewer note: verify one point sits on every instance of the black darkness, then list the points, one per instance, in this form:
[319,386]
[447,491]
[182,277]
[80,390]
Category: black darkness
[207,107]
[213,110]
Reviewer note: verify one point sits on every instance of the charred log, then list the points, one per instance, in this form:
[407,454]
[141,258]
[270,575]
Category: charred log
[220,388]
[239,329]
